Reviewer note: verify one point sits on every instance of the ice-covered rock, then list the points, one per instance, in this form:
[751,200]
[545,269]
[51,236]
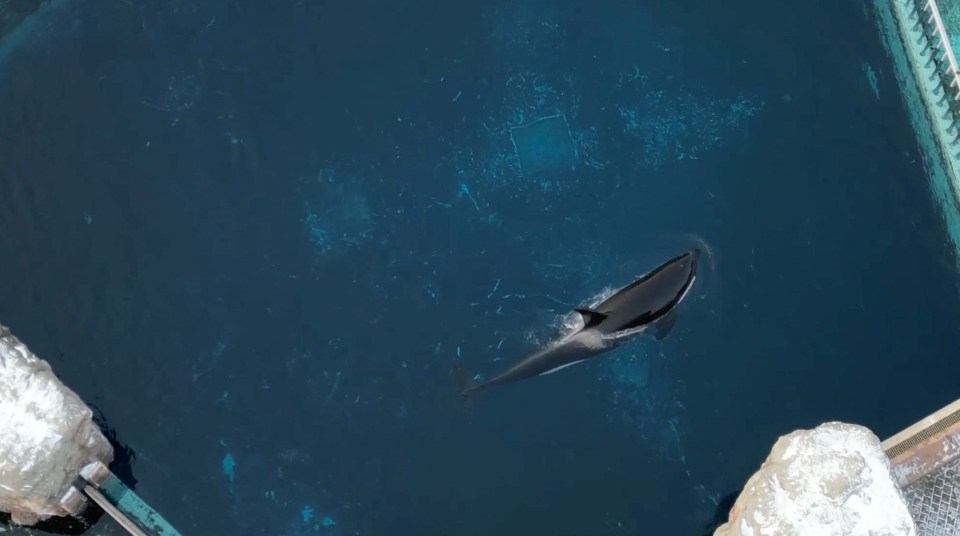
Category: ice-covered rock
[834,480]
[47,435]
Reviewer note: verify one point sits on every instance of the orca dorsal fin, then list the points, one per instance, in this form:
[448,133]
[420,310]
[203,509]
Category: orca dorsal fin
[590,317]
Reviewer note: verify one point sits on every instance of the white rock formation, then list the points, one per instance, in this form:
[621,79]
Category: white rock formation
[47,435]
[833,480]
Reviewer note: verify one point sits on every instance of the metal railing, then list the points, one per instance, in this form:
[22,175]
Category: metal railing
[934,35]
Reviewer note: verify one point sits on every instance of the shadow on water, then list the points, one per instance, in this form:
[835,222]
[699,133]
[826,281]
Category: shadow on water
[122,467]
[721,515]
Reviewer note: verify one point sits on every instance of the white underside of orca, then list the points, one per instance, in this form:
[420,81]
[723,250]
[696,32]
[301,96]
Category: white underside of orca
[561,367]
[687,290]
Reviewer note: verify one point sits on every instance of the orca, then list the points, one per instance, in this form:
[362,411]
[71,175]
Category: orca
[649,302]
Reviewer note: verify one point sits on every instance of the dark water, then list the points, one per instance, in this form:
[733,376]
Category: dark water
[256,235]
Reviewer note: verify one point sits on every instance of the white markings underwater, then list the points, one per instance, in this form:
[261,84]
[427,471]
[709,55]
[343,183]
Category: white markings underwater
[871,79]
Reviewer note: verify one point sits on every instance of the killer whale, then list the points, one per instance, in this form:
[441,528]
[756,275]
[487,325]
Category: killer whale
[648,302]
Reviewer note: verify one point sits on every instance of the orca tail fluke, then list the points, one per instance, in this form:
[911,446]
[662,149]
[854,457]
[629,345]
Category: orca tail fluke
[464,385]
[460,378]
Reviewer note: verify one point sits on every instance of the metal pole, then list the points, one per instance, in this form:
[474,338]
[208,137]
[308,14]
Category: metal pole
[113,511]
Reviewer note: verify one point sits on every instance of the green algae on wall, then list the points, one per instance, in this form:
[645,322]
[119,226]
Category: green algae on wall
[939,161]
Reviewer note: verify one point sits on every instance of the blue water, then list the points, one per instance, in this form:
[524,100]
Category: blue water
[257,235]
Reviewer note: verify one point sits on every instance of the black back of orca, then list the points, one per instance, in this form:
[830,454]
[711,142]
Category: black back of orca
[643,302]
[651,297]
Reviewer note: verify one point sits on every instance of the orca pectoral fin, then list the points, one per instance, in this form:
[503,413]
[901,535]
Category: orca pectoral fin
[590,317]
[665,326]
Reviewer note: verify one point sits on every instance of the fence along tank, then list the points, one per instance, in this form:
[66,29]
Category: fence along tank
[917,34]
